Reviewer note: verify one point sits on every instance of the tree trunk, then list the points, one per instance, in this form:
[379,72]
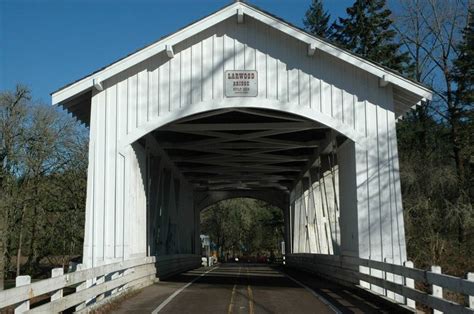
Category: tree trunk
[32,248]
[454,121]
[457,150]
[18,256]
[20,242]
[3,239]
[3,231]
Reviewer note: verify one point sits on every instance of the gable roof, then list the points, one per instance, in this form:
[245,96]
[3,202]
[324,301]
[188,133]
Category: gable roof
[407,93]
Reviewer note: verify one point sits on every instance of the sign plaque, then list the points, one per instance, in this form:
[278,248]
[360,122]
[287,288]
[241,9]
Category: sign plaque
[240,83]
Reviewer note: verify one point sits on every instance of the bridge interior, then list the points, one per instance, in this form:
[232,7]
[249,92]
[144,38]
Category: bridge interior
[281,158]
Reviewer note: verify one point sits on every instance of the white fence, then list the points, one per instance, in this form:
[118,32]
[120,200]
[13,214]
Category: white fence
[87,288]
[393,281]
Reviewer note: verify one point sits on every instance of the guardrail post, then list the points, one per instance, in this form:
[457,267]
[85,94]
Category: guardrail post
[410,283]
[80,287]
[100,280]
[388,277]
[57,272]
[114,276]
[470,298]
[436,291]
[365,270]
[125,273]
[25,305]
[378,274]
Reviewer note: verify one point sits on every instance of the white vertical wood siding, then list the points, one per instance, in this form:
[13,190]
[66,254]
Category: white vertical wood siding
[136,100]
[162,85]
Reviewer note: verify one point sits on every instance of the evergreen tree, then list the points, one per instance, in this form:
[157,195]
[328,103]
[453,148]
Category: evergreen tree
[461,114]
[316,19]
[464,64]
[367,31]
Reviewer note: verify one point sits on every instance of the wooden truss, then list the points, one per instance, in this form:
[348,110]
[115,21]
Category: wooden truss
[243,149]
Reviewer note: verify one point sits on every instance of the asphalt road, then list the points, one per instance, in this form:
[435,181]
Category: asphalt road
[243,288]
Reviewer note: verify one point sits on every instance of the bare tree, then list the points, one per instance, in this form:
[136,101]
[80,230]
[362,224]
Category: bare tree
[431,31]
[42,181]
[12,117]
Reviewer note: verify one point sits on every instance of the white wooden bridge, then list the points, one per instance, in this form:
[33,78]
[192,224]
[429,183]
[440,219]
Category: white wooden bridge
[241,104]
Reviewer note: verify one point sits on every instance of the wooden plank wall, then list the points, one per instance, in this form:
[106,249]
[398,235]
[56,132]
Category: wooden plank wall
[139,99]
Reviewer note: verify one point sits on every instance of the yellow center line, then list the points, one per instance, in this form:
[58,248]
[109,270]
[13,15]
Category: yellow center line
[231,304]
[249,290]
[250,293]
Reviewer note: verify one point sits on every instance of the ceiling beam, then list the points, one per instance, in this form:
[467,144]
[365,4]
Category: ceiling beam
[204,115]
[254,162]
[238,153]
[253,143]
[222,137]
[282,158]
[231,136]
[242,126]
[240,169]
[268,114]
[252,176]
[250,158]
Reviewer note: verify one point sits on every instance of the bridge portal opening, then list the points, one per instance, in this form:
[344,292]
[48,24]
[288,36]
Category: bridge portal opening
[283,159]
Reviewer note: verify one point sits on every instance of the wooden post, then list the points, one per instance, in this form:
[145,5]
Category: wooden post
[80,287]
[25,305]
[100,280]
[436,291]
[125,273]
[470,298]
[410,283]
[114,276]
[388,277]
[57,272]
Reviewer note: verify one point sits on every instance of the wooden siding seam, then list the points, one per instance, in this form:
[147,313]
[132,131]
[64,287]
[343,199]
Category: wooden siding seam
[202,71]
[170,70]
[378,183]
[104,179]
[137,103]
[213,67]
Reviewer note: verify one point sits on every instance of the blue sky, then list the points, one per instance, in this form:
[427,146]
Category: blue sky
[46,44]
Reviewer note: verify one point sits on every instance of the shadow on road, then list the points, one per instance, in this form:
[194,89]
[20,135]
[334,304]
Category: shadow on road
[273,278]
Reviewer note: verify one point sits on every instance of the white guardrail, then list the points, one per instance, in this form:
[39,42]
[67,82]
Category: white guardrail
[80,289]
[395,282]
